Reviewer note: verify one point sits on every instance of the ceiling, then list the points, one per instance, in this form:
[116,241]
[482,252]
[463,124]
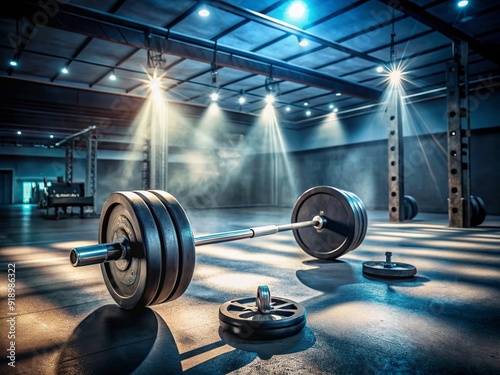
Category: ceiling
[248,47]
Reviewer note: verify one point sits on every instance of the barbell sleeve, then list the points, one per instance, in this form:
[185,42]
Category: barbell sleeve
[101,253]
[95,254]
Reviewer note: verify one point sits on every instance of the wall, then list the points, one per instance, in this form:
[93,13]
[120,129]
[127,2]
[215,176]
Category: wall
[232,160]
[351,153]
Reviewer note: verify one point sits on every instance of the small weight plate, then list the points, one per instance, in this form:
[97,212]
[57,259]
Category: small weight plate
[339,233]
[185,240]
[398,270]
[132,283]
[242,318]
[168,246]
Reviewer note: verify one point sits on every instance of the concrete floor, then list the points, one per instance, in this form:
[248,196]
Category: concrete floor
[446,320]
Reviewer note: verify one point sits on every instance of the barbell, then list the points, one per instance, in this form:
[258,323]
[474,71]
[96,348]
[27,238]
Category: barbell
[147,248]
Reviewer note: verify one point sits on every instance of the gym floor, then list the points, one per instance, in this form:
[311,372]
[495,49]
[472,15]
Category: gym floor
[445,320]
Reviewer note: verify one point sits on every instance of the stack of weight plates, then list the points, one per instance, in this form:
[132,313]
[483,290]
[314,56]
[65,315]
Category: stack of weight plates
[345,227]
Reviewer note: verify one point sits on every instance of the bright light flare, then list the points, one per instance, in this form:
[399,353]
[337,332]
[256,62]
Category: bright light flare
[297,9]
[154,81]
[214,96]
[270,99]
[395,77]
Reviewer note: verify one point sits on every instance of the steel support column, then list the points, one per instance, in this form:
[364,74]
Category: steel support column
[395,150]
[459,208]
[146,166]
[70,150]
[91,166]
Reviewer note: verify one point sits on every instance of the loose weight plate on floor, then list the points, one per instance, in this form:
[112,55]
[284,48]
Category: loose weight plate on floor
[133,281]
[345,226]
[242,318]
[396,270]
[410,207]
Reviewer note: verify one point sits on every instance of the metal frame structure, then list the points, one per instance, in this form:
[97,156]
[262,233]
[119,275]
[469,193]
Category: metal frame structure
[395,151]
[459,181]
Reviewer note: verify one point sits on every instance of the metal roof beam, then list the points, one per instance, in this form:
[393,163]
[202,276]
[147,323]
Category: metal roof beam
[423,16]
[122,30]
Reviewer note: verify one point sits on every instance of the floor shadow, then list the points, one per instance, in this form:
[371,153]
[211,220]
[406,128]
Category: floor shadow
[327,276]
[112,340]
[266,349]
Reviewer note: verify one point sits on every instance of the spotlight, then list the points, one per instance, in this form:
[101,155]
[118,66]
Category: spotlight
[297,9]
[112,76]
[303,42]
[214,96]
[462,3]
[203,12]
[338,94]
[13,63]
[64,70]
[51,136]
[18,132]
[380,69]
[288,109]
[395,76]
[331,106]
[308,113]
[269,98]
[241,99]
[335,110]
[306,104]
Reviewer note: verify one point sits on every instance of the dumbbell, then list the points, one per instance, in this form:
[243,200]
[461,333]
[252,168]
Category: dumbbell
[147,248]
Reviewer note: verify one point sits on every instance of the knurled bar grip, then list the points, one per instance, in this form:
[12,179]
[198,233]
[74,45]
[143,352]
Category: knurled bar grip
[95,254]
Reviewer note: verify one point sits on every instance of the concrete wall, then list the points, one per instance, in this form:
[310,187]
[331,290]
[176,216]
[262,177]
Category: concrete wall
[233,161]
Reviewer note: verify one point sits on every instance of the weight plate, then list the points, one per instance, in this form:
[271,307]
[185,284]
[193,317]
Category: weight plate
[169,246]
[482,210]
[414,207]
[357,219]
[408,208]
[339,233]
[478,211]
[132,283]
[363,224]
[185,240]
[242,318]
[398,270]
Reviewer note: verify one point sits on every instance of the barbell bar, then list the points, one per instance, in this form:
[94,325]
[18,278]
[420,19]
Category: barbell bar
[147,248]
[100,253]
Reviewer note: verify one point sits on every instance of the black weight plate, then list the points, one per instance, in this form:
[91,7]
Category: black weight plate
[414,207]
[168,244]
[408,208]
[242,318]
[132,284]
[482,210]
[185,240]
[363,224]
[474,211]
[398,270]
[338,235]
[357,219]
[478,211]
